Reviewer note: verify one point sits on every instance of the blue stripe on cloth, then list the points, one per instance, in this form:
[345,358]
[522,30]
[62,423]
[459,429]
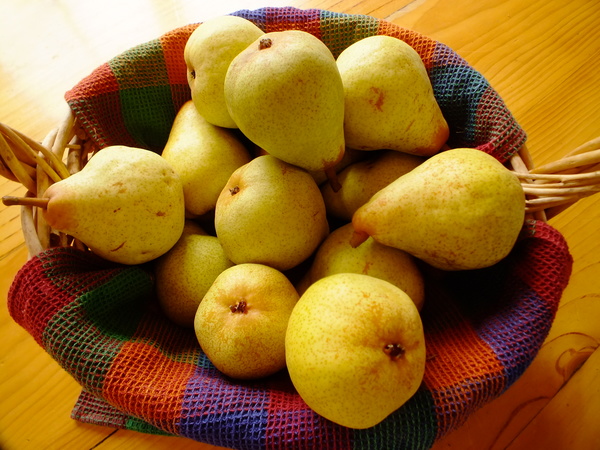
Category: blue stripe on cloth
[458,90]
[517,333]
[224,412]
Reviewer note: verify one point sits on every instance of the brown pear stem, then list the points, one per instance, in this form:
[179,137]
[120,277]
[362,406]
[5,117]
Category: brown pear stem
[10,200]
[333,178]
[358,237]
[394,351]
[264,43]
[239,307]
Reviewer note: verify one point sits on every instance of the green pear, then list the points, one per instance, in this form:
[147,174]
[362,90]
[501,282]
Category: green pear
[355,349]
[207,54]
[270,212]
[204,156]
[185,273]
[361,180]
[242,320]
[285,93]
[336,255]
[126,205]
[389,101]
[461,209]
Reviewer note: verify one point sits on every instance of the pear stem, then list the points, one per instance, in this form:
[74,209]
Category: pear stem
[265,43]
[358,237]
[395,351]
[239,307]
[10,200]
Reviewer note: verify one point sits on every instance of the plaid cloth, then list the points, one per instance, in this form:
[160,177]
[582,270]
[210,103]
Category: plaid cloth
[133,98]
[102,323]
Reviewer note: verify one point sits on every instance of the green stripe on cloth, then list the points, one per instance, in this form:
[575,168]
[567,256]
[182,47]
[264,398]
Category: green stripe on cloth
[88,333]
[148,114]
[338,30]
[403,429]
[145,94]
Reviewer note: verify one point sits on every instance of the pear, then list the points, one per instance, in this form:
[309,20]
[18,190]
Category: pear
[270,212]
[336,255]
[185,273]
[126,205]
[355,349]
[459,210]
[208,52]
[285,93]
[204,156]
[389,101]
[361,180]
[242,320]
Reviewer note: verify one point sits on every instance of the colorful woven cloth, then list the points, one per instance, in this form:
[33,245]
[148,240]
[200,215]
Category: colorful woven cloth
[139,371]
[133,98]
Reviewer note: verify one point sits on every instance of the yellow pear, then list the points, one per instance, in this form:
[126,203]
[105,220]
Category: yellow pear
[361,180]
[207,54]
[461,209]
[185,273]
[285,93]
[242,320]
[389,101]
[270,212]
[336,255]
[355,349]
[126,205]
[204,156]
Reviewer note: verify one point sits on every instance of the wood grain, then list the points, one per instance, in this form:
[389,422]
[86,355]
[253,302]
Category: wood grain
[543,57]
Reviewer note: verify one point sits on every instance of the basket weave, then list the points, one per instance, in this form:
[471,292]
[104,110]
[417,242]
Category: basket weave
[100,320]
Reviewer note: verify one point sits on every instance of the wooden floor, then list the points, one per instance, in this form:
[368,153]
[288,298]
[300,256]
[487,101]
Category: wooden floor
[542,56]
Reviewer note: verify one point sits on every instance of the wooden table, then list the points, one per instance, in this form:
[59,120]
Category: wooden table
[542,56]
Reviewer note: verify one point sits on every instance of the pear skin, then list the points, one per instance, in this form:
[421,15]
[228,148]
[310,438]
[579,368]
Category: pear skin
[270,212]
[204,155]
[285,93]
[361,180]
[459,210]
[389,101]
[185,273]
[207,54]
[355,349]
[126,205]
[242,320]
[336,255]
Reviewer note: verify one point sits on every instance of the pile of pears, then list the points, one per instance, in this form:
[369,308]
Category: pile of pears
[292,210]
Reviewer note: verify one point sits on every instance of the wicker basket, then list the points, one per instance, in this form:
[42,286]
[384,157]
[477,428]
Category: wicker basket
[269,413]
[549,189]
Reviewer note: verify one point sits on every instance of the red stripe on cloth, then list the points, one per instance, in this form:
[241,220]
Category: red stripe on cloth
[146,383]
[149,377]
[458,360]
[58,276]
[548,280]
[173,45]
[423,45]
[96,93]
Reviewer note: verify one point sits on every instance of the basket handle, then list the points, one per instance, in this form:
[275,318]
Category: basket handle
[553,187]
